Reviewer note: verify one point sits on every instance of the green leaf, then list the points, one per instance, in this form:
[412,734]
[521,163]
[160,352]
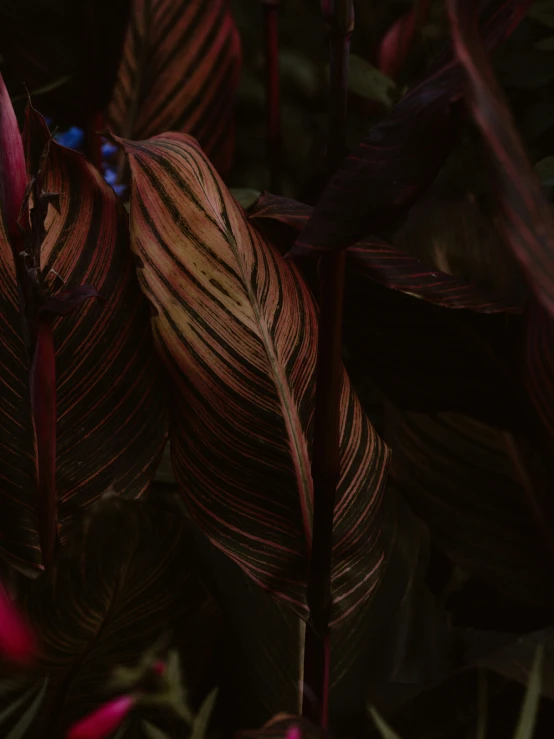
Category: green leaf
[45,88]
[202,718]
[124,579]
[152,731]
[546,44]
[545,171]
[368,82]
[529,709]
[385,731]
[20,729]
[481,731]
[543,12]
[245,196]
[14,706]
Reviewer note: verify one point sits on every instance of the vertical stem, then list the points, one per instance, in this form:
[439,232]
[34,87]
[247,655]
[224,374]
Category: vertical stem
[273,101]
[339,15]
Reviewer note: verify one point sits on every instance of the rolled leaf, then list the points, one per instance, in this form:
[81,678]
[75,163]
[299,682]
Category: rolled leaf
[179,72]
[127,567]
[13,175]
[111,407]
[526,218]
[237,329]
[111,400]
[404,152]
[19,539]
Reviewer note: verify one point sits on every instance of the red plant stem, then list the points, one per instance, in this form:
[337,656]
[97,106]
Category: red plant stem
[273,95]
[43,397]
[339,15]
[93,141]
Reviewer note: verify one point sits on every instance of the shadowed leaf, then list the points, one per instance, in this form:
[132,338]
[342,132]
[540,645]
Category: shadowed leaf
[404,152]
[179,72]
[123,581]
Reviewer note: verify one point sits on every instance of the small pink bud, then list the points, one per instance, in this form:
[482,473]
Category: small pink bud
[159,667]
[17,641]
[293,732]
[100,723]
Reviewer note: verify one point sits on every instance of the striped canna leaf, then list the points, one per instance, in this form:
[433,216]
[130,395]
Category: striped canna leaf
[384,263]
[179,72]
[111,404]
[237,329]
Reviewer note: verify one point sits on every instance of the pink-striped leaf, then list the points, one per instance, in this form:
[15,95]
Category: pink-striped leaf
[19,537]
[111,402]
[237,329]
[403,153]
[527,219]
[384,263]
[179,72]
[13,177]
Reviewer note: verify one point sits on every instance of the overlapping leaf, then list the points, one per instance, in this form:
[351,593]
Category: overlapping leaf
[384,263]
[526,216]
[399,638]
[73,48]
[237,328]
[19,539]
[179,72]
[403,153]
[464,479]
[111,410]
[123,583]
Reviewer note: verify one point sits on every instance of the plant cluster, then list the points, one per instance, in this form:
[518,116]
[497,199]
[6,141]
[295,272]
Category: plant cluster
[276,420]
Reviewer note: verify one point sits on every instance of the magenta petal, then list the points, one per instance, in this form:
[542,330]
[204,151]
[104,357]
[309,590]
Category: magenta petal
[13,173]
[100,723]
[17,641]
[293,732]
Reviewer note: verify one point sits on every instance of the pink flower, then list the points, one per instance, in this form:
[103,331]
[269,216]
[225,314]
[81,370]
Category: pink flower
[293,732]
[100,723]
[17,641]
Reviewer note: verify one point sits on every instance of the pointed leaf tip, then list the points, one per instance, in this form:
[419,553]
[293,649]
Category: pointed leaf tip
[13,174]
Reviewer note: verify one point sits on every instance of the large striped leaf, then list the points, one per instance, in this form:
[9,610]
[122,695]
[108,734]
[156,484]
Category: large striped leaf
[111,402]
[179,72]
[439,360]
[404,152]
[123,585]
[385,263]
[237,327]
